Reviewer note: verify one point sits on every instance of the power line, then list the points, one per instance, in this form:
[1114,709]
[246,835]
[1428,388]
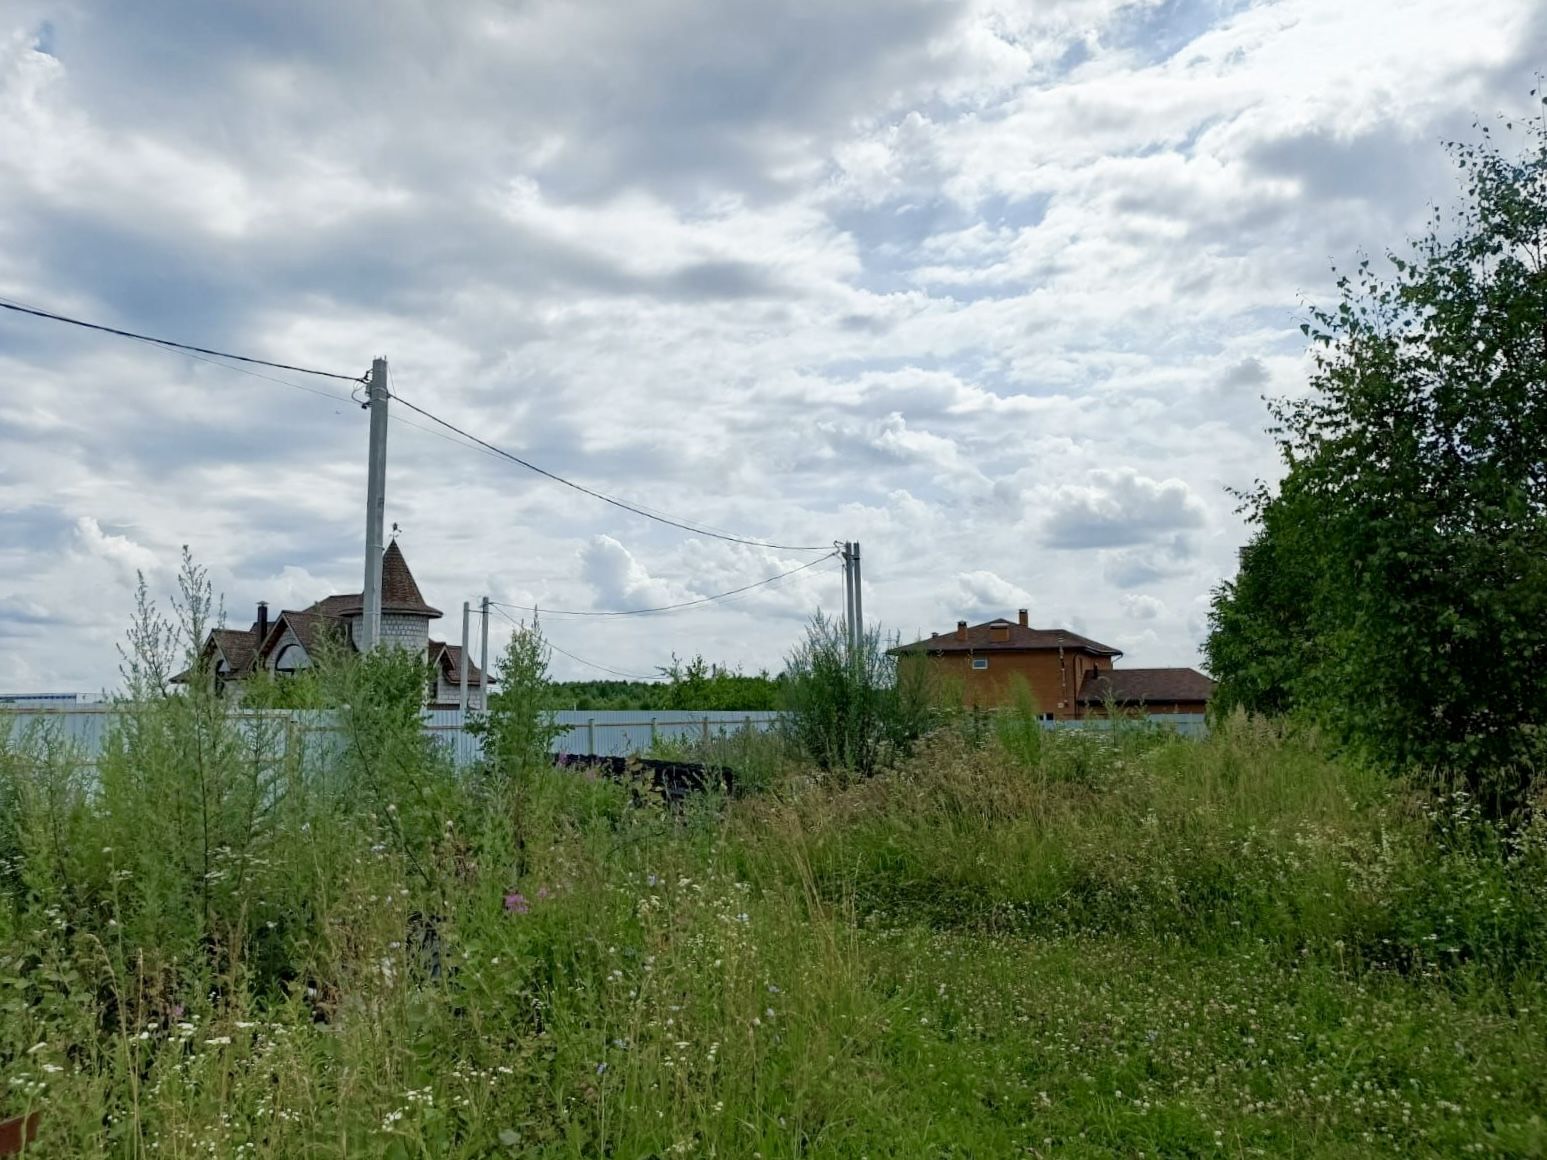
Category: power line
[679,604]
[321,394]
[618,503]
[591,664]
[19,308]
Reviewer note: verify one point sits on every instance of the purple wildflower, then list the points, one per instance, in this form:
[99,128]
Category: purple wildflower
[516,903]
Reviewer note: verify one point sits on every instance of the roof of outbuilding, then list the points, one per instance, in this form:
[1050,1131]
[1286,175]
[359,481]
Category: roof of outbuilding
[449,657]
[1019,638]
[1149,686]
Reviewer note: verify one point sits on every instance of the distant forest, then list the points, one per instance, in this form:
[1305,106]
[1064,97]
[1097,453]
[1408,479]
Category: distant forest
[691,685]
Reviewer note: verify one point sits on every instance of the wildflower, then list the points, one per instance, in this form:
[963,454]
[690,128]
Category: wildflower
[516,903]
[218,1041]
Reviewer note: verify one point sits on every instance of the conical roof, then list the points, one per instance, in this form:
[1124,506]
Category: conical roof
[399,592]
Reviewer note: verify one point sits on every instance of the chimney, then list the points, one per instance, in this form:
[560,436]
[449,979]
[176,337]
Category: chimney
[1024,622]
[961,630]
[263,620]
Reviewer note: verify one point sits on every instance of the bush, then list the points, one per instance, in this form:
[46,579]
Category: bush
[853,710]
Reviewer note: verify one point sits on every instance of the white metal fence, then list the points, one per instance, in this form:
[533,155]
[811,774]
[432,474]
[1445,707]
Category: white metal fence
[611,733]
[606,733]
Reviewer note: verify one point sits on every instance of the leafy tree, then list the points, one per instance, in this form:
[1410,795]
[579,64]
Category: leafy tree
[519,727]
[1396,586]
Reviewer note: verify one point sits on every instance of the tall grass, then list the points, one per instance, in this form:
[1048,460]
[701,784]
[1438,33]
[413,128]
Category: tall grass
[231,942]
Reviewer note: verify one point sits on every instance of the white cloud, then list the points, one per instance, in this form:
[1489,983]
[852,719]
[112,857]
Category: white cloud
[1137,606]
[123,553]
[967,280]
[982,595]
[1119,508]
[619,580]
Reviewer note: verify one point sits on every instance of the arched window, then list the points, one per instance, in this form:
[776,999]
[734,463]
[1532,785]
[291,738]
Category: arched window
[292,658]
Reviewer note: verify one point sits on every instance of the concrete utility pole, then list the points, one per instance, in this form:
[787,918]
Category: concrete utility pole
[375,502]
[462,697]
[859,603]
[483,659]
[848,595]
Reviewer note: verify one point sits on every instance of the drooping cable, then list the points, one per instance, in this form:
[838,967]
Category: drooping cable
[679,604]
[564,652]
[697,530]
[21,308]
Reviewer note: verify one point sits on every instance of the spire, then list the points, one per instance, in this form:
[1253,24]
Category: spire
[399,592]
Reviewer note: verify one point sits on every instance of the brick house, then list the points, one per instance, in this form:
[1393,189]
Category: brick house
[1069,675]
[291,641]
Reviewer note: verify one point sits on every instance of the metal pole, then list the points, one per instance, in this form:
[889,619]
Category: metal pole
[859,605]
[848,594]
[462,693]
[483,659]
[375,503]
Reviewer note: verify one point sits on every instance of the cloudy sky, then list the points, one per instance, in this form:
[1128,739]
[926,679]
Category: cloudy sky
[993,287]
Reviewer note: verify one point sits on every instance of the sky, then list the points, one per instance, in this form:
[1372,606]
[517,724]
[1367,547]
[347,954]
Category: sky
[996,289]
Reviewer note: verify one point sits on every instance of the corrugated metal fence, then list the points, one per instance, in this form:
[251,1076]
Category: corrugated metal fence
[609,734]
[615,733]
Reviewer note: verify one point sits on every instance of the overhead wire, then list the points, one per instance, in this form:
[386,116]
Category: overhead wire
[210,355]
[681,603]
[22,308]
[614,501]
[564,652]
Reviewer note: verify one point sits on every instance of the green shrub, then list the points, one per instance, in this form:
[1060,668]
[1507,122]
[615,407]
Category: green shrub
[853,709]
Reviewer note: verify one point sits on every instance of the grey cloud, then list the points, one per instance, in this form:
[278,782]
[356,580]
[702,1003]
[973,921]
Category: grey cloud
[1117,508]
[1246,375]
[664,92]
[1389,164]
[34,527]
[626,241]
[983,594]
[619,580]
[723,280]
[1136,567]
[20,617]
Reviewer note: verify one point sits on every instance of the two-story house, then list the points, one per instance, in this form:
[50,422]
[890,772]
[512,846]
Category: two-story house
[1069,675]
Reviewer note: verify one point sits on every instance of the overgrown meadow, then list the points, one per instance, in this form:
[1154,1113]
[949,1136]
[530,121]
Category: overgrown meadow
[226,940]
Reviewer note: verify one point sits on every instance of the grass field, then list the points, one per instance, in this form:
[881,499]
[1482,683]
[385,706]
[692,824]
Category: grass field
[1071,946]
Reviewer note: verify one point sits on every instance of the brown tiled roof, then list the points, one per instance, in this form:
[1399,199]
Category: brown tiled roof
[1149,686]
[237,646]
[449,657]
[979,638]
[399,592]
[349,602]
[310,628]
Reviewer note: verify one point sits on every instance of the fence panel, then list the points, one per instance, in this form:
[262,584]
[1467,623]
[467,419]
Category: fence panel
[605,733]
